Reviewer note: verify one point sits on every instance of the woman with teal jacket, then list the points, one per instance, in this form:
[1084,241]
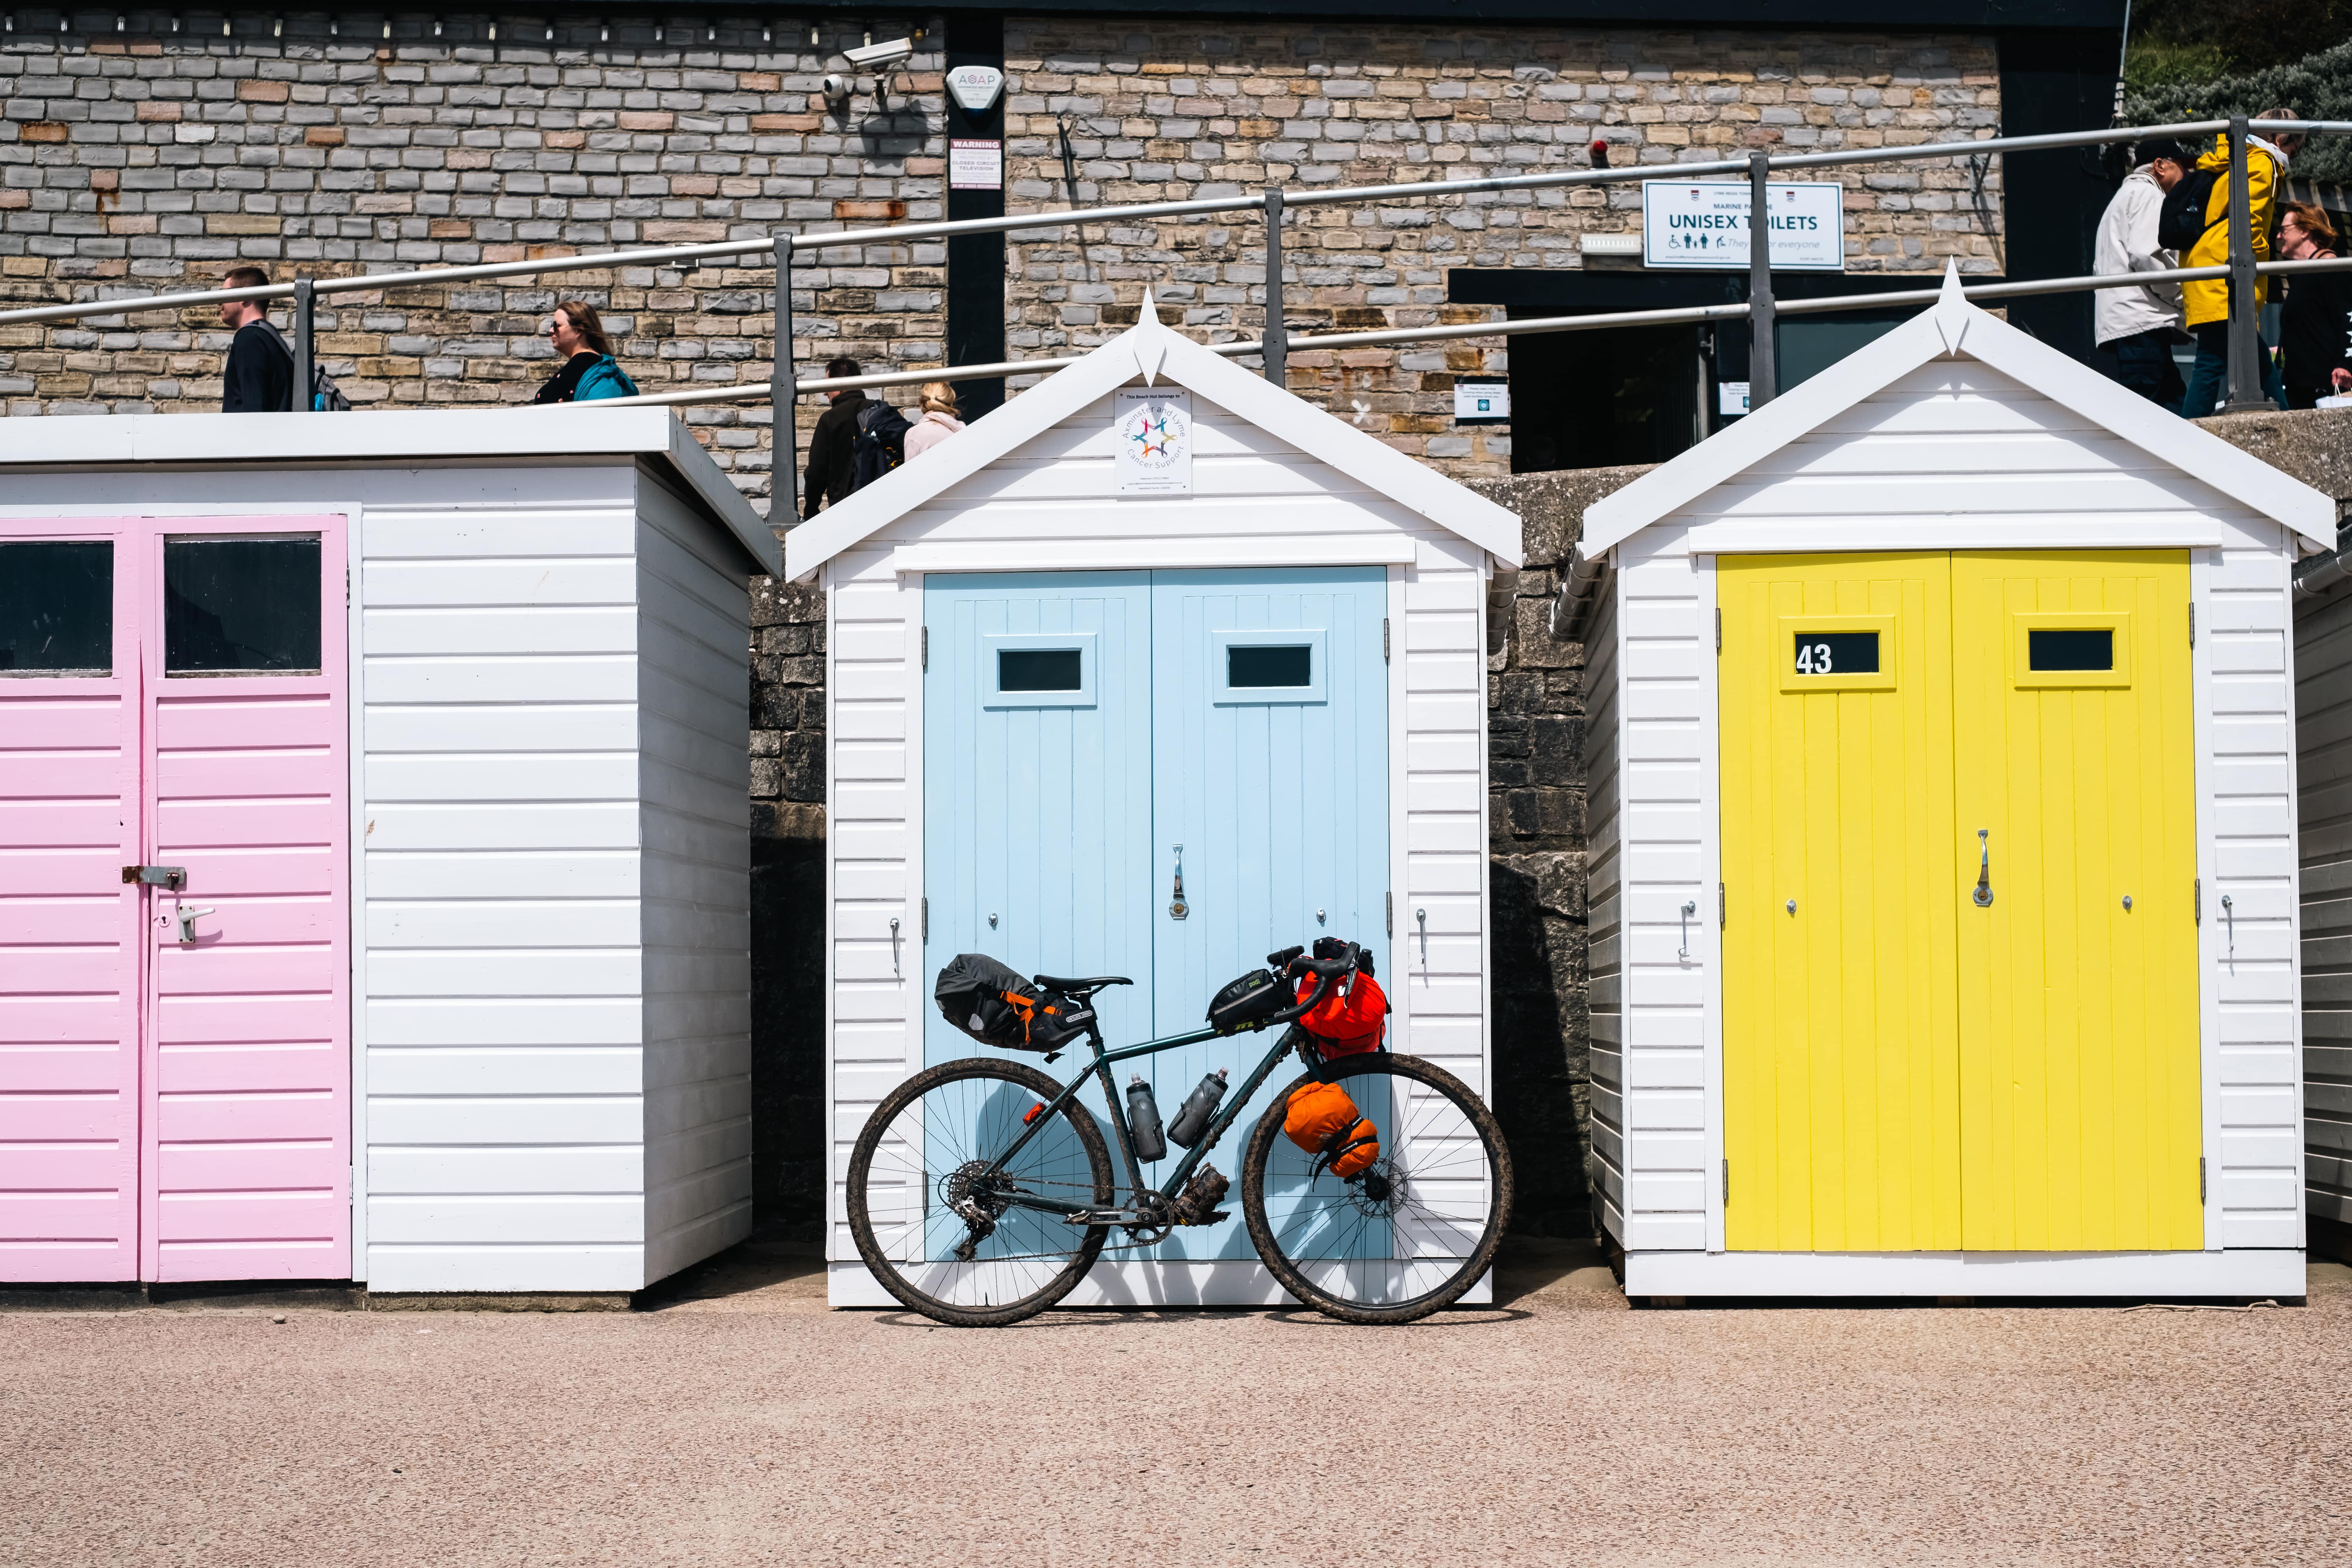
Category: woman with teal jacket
[588,372]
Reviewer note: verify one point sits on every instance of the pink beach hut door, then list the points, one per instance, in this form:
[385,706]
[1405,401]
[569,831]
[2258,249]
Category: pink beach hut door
[174,1093]
[247,1071]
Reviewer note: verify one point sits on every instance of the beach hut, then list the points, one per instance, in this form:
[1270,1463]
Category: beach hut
[1151,671]
[373,848]
[1942,840]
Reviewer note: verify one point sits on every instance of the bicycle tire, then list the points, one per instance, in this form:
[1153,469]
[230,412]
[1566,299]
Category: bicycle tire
[891,1272]
[1442,1258]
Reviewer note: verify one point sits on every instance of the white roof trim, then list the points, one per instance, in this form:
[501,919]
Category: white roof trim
[1954,326]
[1149,350]
[572,430]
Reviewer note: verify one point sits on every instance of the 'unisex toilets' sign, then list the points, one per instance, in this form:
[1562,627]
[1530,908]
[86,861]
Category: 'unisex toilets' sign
[1704,223]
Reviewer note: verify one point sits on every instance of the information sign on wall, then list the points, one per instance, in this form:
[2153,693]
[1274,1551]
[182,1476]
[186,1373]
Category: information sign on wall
[975,165]
[1481,401]
[1152,427]
[1704,224]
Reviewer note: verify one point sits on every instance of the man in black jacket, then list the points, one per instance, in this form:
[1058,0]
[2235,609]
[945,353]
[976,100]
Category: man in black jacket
[834,444]
[259,376]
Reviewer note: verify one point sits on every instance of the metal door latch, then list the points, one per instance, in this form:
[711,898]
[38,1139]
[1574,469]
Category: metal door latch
[893,952]
[1690,908]
[173,876]
[1983,895]
[187,919]
[1177,910]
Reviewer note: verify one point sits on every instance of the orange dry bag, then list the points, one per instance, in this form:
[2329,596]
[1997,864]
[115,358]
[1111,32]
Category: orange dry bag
[1350,1018]
[1324,1122]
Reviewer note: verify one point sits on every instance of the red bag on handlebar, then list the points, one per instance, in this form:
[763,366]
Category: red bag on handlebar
[1350,1019]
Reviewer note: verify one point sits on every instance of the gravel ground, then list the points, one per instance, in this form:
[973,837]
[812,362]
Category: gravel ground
[739,1421]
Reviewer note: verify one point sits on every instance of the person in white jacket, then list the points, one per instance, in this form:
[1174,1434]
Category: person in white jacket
[939,421]
[2135,326]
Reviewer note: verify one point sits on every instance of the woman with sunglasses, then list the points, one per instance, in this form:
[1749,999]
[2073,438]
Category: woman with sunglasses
[588,372]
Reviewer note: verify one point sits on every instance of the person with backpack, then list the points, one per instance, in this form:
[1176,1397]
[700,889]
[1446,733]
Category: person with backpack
[589,372]
[855,442]
[258,377]
[2135,326]
[2196,222]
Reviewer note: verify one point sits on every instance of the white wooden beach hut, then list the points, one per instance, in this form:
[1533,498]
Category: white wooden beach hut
[1155,617]
[429,731]
[1943,840]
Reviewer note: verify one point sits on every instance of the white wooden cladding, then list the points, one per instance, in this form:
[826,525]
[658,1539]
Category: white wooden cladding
[556,893]
[1257,502]
[1952,454]
[2323,676]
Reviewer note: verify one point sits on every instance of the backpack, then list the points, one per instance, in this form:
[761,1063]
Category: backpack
[326,397]
[603,379]
[880,446]
[2182,220]
[1322,1119]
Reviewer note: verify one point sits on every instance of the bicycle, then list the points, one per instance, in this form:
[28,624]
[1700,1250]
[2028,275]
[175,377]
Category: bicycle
[981,1191]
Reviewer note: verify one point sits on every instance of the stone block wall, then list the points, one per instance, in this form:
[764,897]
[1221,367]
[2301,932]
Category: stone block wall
[1182,110]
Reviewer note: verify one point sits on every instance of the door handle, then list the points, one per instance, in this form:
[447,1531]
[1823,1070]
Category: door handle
[1178,908]
[1690,908]
[1983,895]
[187,919]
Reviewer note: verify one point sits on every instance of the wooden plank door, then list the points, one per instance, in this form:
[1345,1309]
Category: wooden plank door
[69,927]
[2079,1013]
[1839,1051]
[1037,783]
[247,1146]
[1270,758]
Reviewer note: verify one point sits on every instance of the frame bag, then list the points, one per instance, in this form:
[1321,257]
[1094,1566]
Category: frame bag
[1244,1002]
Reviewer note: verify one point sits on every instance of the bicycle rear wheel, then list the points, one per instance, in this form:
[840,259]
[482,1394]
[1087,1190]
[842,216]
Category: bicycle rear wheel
[1413,1232]
[943,1233]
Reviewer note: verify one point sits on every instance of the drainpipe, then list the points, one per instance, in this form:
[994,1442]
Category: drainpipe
[1576,595]
[2322,577]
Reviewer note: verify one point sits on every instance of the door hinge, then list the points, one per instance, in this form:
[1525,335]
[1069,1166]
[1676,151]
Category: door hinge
[926,649]
[1718,628]
[346,587]
[1392,914]
[1722,907]
[1384,638]
[2192,625]
[2200,1178]
[927,919]
[1727,1184]
[2196,902]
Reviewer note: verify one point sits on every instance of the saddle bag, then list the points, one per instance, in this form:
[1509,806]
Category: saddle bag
[1322,1119]
[990,1002]
[1245,1001]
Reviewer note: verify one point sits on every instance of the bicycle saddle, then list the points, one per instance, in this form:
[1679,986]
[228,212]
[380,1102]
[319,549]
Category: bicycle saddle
[1080,987]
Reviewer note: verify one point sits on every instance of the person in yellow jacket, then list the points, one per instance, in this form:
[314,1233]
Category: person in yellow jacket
[2205,301]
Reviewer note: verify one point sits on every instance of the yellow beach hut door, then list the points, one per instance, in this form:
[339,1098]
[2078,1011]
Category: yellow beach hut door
[1934,1040]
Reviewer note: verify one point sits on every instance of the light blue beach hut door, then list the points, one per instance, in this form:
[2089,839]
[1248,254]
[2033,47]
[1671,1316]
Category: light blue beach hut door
[1080,727]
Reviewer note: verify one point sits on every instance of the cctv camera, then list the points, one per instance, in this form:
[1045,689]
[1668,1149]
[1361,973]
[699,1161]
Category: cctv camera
[835,88]
[878,56]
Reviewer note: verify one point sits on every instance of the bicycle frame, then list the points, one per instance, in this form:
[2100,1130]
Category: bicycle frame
[1104,1060]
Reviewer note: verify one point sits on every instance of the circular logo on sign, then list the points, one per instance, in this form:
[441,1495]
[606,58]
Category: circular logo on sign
[1153,433]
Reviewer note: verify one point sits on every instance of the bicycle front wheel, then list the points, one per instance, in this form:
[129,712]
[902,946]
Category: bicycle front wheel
[1412,1232]
[937,1208]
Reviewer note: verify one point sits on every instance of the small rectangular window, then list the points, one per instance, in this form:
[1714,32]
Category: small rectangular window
[1837,653]
[240,606]
[2050,648]
[1039,669]
[57,606]
[1259,665]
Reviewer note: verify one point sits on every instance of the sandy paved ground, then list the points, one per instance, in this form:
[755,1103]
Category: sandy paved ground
[742,1422]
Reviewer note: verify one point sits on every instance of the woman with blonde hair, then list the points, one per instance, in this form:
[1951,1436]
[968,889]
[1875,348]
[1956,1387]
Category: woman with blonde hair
[939,421]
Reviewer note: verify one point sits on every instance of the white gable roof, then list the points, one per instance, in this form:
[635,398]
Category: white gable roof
[1149,350]
[1956,328]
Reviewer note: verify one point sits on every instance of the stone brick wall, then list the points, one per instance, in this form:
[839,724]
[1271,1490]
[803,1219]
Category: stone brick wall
[1182,110]
[149,161]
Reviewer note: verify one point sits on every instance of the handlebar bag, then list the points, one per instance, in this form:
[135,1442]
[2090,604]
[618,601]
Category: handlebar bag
[1243,1000]
[1350,1019]
[989,1001]
[1322,1119]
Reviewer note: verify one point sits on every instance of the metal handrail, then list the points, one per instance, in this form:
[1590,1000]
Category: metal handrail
[1203,206]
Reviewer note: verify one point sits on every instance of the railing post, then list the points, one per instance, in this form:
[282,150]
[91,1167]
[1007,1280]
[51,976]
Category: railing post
[2245,325]
[1277,335]
[1762,369]
[305,334]
[783,429]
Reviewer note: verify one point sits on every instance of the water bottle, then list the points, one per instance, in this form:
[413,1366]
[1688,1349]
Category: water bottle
[1143,1122]
[1192,1116]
